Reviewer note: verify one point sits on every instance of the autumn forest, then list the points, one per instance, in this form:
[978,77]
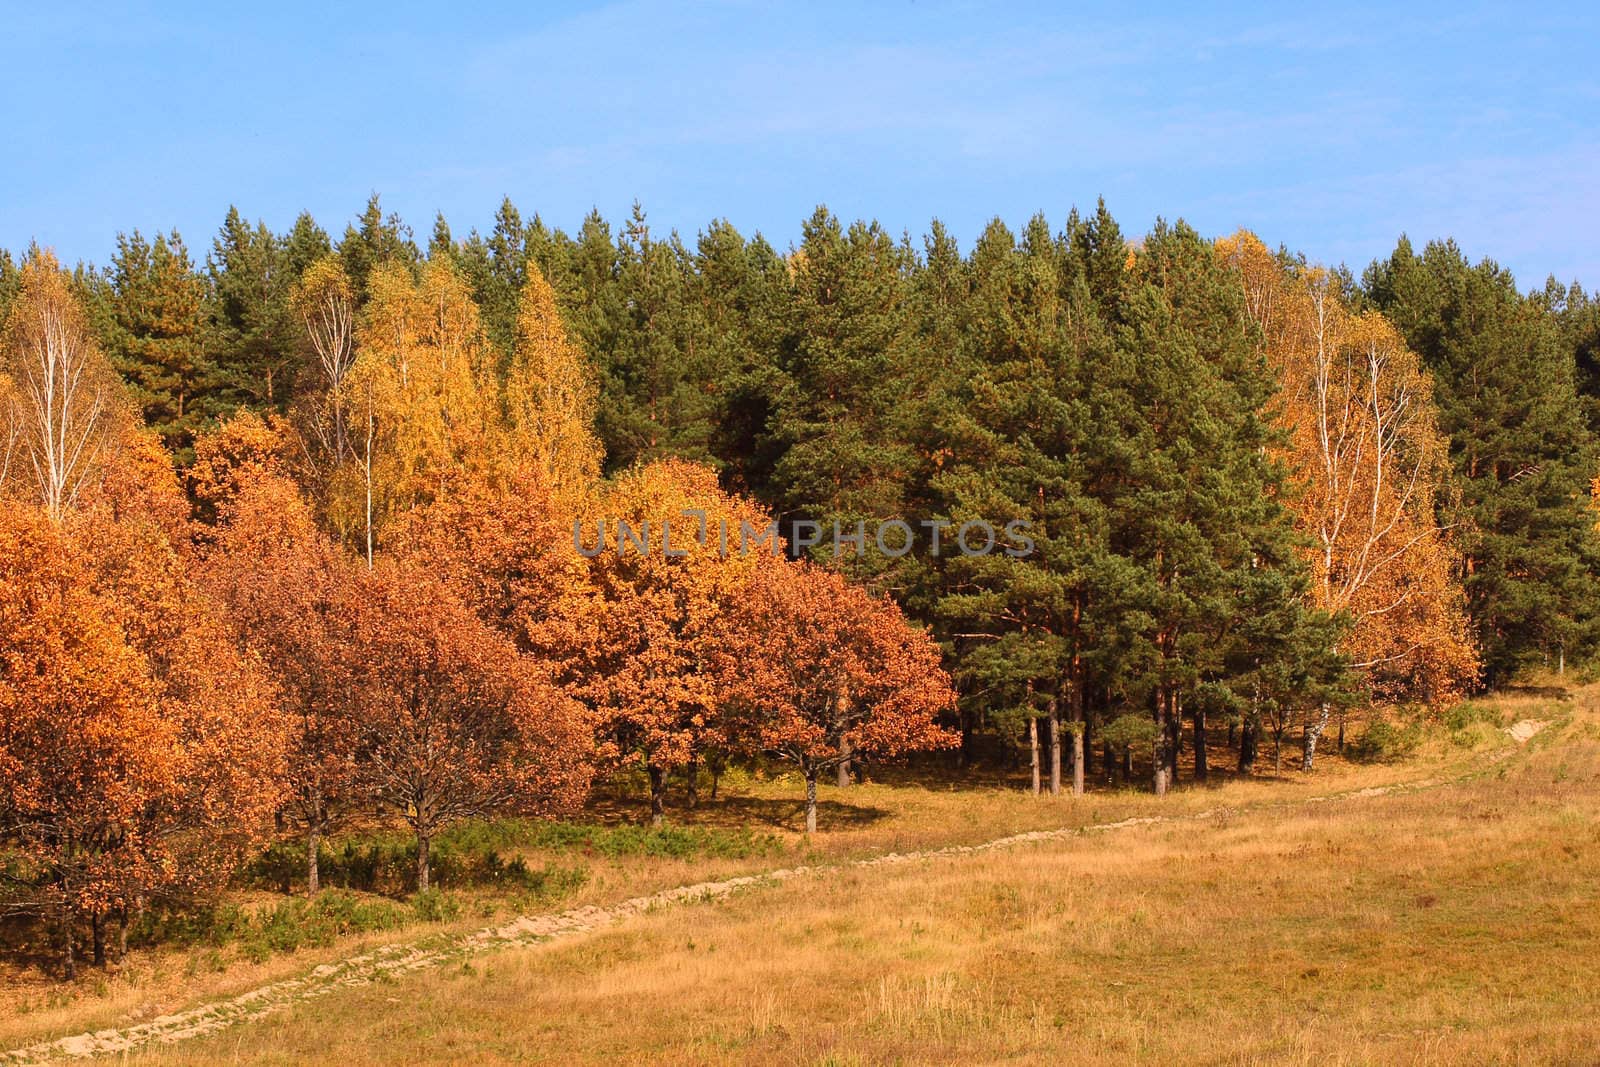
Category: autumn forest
[287,523]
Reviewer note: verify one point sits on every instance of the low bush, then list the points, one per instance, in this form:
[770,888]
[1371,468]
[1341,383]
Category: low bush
[1385,740]
[390,867]
[435,906]
[290,925]
[1469,713]
[679,842]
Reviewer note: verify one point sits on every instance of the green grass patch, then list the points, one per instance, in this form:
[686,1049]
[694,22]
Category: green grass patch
[678,842]
[291,924]
[389,866]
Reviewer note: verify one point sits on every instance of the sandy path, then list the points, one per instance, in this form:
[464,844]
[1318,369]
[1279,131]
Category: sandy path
[428,953]
[1521,731]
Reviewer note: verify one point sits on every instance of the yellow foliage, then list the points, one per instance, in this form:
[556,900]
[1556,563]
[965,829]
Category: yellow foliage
[62,411]
[1371,465]
[551,394]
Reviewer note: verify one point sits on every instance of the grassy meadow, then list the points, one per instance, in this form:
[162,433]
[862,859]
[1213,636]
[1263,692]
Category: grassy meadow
[1439,909]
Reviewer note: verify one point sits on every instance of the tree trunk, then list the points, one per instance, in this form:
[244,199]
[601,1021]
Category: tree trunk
[1080,740]
[97,927]
[313,846]
[1055,746]
[1314,728]
[69,957]
[1078,755]
[1174,736]
[811,800]
[1162,743]
[422,862]
[654,776]
[1200,767]
[844,764]
[1249,732]
[1088,736]
[717,765]
[122,934]
[1127,765]
[1033,749]
[691,787]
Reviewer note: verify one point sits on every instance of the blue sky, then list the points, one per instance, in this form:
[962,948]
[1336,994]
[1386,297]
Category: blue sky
[1330,130]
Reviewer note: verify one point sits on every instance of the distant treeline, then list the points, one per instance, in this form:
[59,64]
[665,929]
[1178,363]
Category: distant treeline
[1262,489]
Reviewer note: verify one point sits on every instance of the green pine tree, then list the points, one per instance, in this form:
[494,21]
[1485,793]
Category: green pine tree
[1187,476]
[375,239]
[153,327]
[1507,395]
[255,342]
[845,360]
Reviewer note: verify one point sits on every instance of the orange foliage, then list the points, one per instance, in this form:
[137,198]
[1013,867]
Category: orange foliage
[834,673]
[286,587]
[231,736]
[506,551]
[453,721]
[241,450]
[83,750]
[719,647]
[1371,464]
[145,751]
[653,671]
[137,482]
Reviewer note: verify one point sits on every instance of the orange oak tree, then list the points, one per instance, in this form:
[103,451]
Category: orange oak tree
[287,588]
[233,455]
[198,712]
[504,546]
[454,722]
[231,736]
[673,586]
[833,673]
[83,750]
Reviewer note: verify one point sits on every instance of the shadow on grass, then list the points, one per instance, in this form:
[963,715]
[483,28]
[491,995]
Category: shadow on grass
[1543,692]
[737,810]
[760,795]
[29,950]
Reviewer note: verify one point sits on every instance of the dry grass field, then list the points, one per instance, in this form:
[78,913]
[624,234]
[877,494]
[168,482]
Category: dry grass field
[1438,910]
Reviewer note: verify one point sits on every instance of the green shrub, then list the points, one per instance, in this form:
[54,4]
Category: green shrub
[1384,741]
[1469,713]
[390,867]
[285,927]
[435,906]
[680,842]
